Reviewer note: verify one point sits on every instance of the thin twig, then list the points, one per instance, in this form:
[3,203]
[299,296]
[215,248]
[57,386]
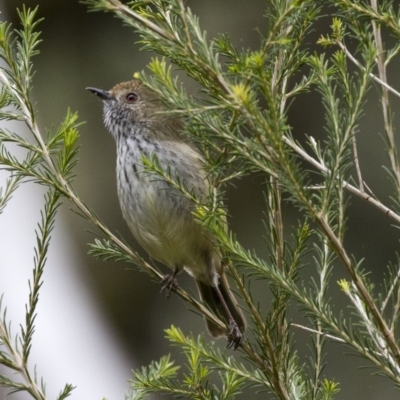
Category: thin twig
[396,310]
[272,364]
[391,148]
[323,282]
[318,333]
[275,204]
[118,7]
[374,333]
[362,291]
[357,164]
[389,294]
[19,365]
[352,189]
[374,77]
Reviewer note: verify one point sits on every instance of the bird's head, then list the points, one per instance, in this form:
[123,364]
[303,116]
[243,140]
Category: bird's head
[128,104]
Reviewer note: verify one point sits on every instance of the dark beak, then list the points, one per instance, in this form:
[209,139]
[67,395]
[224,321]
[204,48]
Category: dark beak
[103,94]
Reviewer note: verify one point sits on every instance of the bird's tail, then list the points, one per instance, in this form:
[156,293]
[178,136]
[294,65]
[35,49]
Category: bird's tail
[209,295]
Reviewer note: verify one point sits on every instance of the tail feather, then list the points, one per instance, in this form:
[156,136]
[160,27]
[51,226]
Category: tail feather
[209,296]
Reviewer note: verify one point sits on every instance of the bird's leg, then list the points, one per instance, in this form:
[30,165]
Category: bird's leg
[234,334]
[170,282]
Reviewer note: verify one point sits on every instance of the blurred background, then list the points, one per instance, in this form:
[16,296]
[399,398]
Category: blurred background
[98,320]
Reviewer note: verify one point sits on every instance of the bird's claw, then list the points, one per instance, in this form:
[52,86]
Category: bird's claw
[234,336]
[170,283]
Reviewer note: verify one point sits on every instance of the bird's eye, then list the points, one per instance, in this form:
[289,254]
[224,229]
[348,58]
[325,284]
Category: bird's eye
[131,97]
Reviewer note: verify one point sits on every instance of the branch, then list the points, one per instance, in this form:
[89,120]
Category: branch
[361,289]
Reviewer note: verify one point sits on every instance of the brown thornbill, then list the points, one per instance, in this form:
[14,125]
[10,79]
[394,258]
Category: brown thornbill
[159,216]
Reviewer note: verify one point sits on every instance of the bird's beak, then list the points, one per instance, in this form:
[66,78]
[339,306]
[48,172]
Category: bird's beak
[103,94]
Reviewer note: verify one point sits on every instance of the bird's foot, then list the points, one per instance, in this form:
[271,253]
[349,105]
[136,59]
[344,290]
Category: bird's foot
[234,336]
[170,283]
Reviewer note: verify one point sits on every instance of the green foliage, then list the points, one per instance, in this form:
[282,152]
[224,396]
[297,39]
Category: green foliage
[202,360]
[240,123]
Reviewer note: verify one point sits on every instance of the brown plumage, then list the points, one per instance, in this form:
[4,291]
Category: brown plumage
[159,216]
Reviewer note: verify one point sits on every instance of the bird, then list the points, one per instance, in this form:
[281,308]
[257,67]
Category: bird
[158,215]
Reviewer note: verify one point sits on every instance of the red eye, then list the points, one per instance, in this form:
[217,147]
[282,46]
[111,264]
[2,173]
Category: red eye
[131,97]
